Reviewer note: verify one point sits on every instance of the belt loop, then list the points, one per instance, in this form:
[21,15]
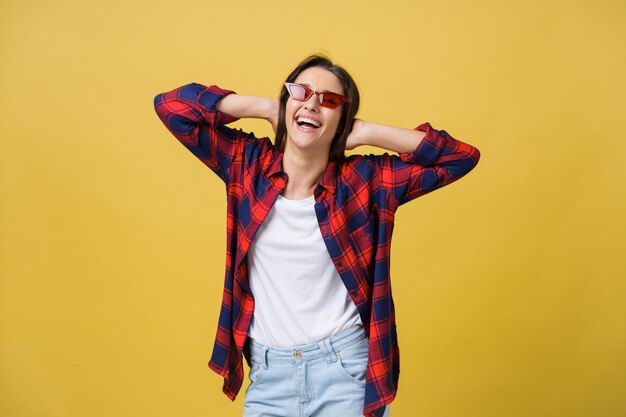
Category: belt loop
[328,350]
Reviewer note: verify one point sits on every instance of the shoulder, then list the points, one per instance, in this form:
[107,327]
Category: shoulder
[367,165]
[253,145]
[260,155]
[357,172]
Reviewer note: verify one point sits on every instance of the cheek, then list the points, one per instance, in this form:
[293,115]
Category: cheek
[290,112]
[333,121]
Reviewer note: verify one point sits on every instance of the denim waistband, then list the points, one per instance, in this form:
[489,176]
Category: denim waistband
[296,354]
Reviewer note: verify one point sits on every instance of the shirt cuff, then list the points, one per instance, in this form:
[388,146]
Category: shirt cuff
[429,149]
[209,99]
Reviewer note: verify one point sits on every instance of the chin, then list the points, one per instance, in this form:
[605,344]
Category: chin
[302,140]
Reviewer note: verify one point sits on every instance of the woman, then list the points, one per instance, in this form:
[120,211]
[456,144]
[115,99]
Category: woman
[307,294]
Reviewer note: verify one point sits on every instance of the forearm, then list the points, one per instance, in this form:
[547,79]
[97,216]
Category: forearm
[393,138]
[437,159]
[241,106]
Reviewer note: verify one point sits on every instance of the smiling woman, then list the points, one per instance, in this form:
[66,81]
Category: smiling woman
[307,291]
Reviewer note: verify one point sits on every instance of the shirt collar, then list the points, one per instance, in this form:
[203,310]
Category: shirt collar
[329,177]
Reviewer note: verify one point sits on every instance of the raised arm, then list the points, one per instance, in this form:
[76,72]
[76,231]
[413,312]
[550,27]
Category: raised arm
[242,106]
[427,158]
[196,115]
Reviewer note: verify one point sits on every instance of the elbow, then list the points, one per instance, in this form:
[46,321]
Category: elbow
[470,161]
[464,165]
[158,99]
[471,156]
[475,156]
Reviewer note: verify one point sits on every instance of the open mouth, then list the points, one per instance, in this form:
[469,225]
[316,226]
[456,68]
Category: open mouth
[307,125]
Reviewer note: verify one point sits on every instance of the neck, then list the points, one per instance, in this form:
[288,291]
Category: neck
[304,168]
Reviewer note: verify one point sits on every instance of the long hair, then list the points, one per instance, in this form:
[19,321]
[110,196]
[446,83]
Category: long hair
[349,109]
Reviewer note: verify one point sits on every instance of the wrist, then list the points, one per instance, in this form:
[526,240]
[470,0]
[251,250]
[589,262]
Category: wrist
[365,133]
[269,108]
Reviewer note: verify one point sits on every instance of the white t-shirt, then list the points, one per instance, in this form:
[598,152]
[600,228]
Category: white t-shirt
[299,296]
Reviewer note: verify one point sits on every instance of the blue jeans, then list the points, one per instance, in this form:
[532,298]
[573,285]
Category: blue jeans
[321,379]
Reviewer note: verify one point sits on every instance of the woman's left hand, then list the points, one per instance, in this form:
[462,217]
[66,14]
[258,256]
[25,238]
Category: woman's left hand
[357,134]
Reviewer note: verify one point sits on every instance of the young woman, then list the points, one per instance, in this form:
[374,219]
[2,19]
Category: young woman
[307,293]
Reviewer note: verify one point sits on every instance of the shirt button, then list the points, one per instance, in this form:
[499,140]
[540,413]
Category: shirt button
[339,264]
[325,234]
[297,354]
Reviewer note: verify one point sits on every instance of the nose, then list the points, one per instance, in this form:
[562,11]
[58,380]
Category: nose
[312,102]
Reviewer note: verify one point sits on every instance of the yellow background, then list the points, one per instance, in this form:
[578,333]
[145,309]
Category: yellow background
[509,284]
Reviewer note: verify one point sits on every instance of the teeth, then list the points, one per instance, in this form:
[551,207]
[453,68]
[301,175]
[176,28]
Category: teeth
[305,119]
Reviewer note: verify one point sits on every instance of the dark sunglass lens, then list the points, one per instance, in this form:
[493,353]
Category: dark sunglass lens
[331,100]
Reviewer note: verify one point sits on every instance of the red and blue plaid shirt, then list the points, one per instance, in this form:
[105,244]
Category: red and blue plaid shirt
[355,204]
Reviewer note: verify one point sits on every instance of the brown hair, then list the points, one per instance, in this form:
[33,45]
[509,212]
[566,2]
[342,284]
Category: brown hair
[349,110]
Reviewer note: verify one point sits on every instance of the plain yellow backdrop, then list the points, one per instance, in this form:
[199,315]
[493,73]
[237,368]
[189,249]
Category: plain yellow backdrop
[509,284]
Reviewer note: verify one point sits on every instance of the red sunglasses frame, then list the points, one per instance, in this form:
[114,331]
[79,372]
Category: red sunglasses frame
[308,92]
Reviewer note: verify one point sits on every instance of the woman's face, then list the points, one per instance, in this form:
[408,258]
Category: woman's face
[317,79]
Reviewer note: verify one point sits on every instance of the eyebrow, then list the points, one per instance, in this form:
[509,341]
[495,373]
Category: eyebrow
[323,91]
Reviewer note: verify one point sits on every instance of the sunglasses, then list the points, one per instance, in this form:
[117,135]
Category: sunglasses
[326,99]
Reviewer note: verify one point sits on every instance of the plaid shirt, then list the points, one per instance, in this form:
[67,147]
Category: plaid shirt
[355,204]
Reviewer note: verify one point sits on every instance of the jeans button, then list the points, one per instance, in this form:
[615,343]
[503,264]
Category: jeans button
[297,354]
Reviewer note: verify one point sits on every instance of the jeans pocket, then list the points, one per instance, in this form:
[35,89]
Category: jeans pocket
[255,373]
[352,362]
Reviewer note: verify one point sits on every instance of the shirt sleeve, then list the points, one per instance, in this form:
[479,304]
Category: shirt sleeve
[189,113]
[438,160]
